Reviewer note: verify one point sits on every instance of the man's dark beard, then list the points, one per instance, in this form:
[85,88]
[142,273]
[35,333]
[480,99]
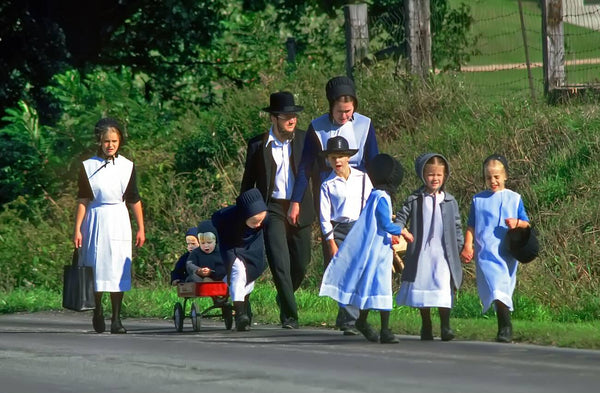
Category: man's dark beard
[287,136]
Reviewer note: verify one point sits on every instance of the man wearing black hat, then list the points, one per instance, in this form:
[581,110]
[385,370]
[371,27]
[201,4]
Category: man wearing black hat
[272,161]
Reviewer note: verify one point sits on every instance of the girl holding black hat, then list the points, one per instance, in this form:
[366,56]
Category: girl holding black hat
[360,274]
[107,185]
[493,213]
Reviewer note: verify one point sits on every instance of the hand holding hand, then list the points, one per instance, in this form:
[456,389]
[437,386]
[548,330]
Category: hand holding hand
[466,254]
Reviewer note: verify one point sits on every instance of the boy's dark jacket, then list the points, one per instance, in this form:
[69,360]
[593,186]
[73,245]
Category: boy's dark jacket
[237,240]
[214,261]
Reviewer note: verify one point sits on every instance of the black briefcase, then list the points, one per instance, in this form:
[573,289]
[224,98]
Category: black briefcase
[78,286]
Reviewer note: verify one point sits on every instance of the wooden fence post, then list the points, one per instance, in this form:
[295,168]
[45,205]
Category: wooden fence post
[417,16]
[357,35]
[553,45]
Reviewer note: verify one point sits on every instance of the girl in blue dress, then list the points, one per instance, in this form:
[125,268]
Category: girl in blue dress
[493,212]
[360,273]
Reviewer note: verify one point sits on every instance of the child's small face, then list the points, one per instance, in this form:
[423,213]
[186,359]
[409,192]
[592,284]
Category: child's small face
[256,220]
[192,243]
[495,176]
[208,246]
[434,175]
[339,163]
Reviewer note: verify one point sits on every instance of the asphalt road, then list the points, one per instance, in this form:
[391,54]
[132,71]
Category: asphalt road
[58,352]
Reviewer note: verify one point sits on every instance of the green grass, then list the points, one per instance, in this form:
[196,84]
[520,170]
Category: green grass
[498,28]
[532,323]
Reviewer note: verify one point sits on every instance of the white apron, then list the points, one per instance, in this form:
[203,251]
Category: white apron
[106,228]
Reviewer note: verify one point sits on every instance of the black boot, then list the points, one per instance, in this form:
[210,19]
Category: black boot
[248,309]
[426,329]
[98,318]
[242,322]
[446,332]
[504,324]
[116,299]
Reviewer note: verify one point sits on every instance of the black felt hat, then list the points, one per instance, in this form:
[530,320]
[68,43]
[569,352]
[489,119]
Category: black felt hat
[523,244]
[385,171]
[251,203]
[339,86]
[282,102]
[338,145]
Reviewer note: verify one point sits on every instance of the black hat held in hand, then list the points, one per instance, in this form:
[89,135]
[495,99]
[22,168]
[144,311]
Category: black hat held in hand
[523,244]
[282,102]
[338,145]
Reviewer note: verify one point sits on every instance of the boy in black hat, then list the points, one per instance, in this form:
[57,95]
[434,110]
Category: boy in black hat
[241,243]
[360,274]
[342,198]
[272,160]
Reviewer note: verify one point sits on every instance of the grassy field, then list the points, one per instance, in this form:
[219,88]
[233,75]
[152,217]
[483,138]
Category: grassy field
[500,42]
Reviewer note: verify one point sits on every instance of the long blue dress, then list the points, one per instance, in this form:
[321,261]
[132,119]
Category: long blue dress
[496,269]
[360,273]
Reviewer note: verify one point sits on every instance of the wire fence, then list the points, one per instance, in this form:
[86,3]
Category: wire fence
[498,65]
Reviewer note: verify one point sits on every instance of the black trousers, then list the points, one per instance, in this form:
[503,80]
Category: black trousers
[288,254]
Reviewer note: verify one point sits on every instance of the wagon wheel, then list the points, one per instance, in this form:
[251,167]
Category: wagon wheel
[178,317]
[196,319]
[228,316]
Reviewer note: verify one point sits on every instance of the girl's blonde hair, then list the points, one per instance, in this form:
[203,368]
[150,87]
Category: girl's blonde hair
[207,237]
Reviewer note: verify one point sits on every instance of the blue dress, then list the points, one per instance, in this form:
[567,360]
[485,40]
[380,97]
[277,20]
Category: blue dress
[496,269]
[360,274]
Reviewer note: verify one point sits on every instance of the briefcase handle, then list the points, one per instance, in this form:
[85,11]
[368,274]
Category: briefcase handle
[75,261]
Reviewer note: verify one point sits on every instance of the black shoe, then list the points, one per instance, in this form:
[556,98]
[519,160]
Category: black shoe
[289,323]
[242,323]
[504,335]
[426,334]
[98,323]
[367,331]
[387,337]
[117,328]
[447,334]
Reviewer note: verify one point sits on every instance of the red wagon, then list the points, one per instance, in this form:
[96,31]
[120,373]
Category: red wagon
[217,290]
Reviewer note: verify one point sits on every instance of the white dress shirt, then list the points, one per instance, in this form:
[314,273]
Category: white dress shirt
[342,200]
[284,176]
